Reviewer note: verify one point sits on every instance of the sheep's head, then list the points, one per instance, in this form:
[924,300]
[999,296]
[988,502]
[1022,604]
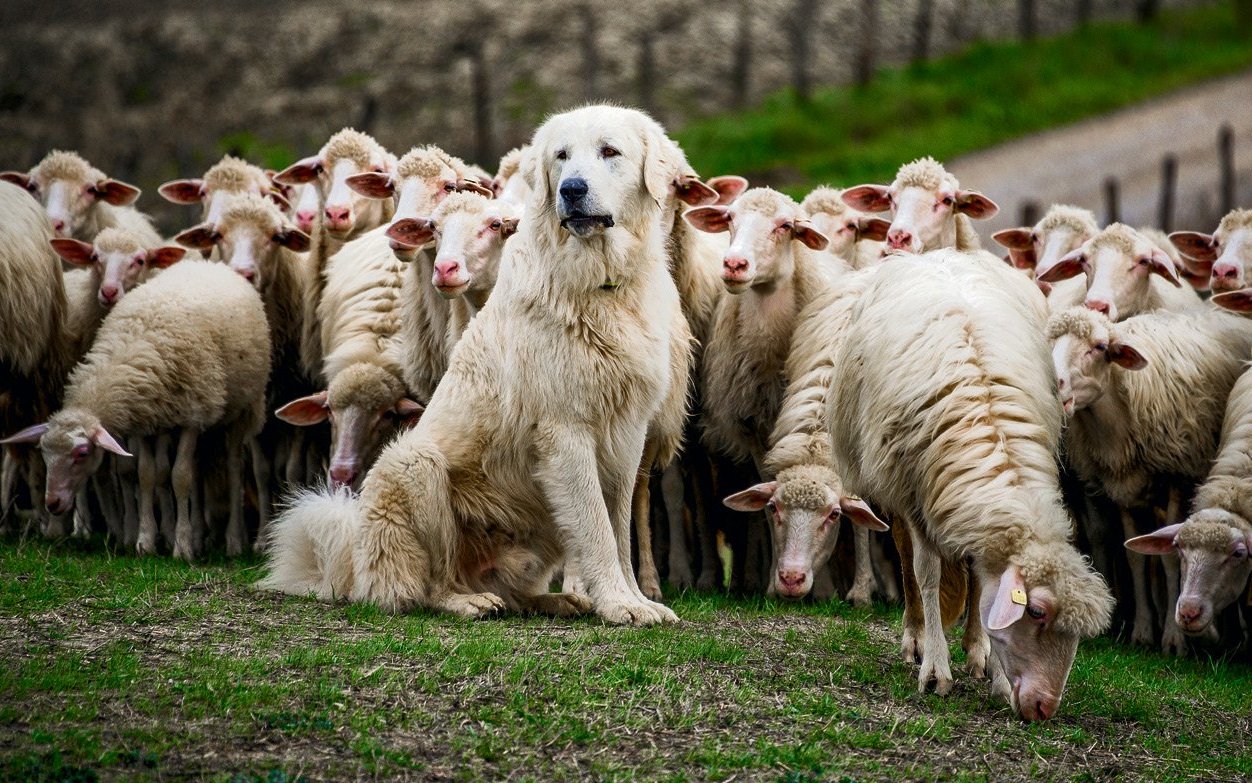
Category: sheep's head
[1118,263]
[924,201]
[347,153]
[1061,231]
[227,177]
[73,443]
[469,232]
[248,237]
[763,225]
[70,188]
[804,505]
[1225,255]
[118,259]
[840,223]
[1085,346]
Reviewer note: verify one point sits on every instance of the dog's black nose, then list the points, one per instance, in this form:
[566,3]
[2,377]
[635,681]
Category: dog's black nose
[573,189]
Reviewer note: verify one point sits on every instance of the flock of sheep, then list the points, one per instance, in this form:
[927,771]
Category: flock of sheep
[509,363]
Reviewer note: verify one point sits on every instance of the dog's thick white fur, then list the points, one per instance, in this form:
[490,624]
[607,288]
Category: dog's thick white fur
[529,447]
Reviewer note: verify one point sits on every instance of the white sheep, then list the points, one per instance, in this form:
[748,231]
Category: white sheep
[1062,230]
[944,415]
[1129,431]
[855,237]
[929,208]
[188,352]
[1225,256]
[80,200]
[229,176]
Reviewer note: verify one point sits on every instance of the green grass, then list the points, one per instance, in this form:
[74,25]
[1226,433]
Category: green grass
[120,668]
[987,94]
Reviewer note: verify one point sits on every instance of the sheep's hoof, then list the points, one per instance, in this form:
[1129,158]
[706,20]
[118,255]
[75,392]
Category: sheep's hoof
[1173,642]
[941,676]
[909,651]
[860,595]
[473,604]
[182,551]
[1142,633]
[680,576]
[651,590]
[234,547]
[708,582]
[976,660]
[146,545]
[558,604]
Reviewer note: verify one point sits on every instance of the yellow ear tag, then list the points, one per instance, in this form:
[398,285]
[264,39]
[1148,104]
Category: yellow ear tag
[1019,596]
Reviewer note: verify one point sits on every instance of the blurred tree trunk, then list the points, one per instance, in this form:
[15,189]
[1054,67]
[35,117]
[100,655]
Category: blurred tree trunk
[646,70]
[1243,16]
[922,24]
[1026,19]
[480,88]
[867,45]
[741,70]
[590,53]
[1083,11]
[800,24]
[1146,10]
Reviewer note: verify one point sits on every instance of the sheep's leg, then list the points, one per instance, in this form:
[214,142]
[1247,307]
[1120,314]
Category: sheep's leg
[164,493]
[106,495]
[884,570]
[712,575]
[261,477]
[641,512]
[674,495]
[295,458]
[126,471]
[1095,526]
[183,478]
[862,592]
[928,570]
[82,513]
[8,480]
[1173,642]
[236,534]
[913,618]
[147,543]
[1141,633]
[974,641]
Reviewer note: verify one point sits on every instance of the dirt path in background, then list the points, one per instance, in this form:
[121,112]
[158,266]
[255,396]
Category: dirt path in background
[1070,164]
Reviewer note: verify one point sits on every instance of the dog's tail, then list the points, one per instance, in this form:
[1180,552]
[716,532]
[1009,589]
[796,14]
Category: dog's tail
[310,544]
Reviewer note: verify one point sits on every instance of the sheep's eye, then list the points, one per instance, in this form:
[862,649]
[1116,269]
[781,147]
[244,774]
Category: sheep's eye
[562,155]
[448,187]
[216,236]
[1034,238]
[377,169]
[772,506]
[1101,347]
[495,225]
[1142,261]
[850,227]
[608,152]
[1035,612]
[787,226]
[948,201]
[139,260]
[1240,553]
[80,452]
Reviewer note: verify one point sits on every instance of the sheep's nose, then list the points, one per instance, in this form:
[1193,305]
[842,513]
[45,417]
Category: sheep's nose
[338,216]
[247,274]
[574,189]
[1098,305]
[445,269]
[898,239]
[1045,709]
[791,580]
[735,264]
[108,293]
[1225,271]
[342,475]
[304,220]
[58,227]
[54,504]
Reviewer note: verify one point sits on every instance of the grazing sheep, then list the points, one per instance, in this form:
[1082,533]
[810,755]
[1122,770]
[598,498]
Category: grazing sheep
[928,207]
[80,200]
[1129,431]
[1058,233]
[1127,273]
[187,352]
[855,238]
[509,469]
[227,177]
[1225,256]
[944,415]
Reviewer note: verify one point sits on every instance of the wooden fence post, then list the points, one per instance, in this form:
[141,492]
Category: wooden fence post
[1112,210]
[1226,160]
[1169,188]
[1029,213]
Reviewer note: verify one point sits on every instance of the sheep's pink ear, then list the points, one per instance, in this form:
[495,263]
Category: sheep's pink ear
[753,498]
[858,512]
[1023,259]
[1070,265]
[408,411]
[201,237]
[104,440]
[1195,245]
[1236,301]
[1010,602]
[413,232]
[31,434]
[867,198]
[1200,281]
[691,191]
[300,172]
[508,227]
[474,186]
[1044,288]
[167,255]
[306,411]
[279,199]
[115,192]
[1160,542]
[872,229]
[1125,356]
[293,239]
[1014,238]
[183,191]
[975,205]
[74,251]
[728,187]
[17,178]
[809,236]
[372,184]
[1161,264]
[713,220]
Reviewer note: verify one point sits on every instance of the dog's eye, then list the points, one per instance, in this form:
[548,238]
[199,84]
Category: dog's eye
[608,152]
[562,155]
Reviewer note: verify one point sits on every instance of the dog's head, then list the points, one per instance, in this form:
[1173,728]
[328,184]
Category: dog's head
[598,167]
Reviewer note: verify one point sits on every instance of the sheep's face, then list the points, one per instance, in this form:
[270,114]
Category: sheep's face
[248,238]
[923,217]
[119,266]
[308,203]
[1118,263]
[1083,364]
[840,229]
[219,184]
[73,445]
[70,190]
[1034,658]
[470,232]
[347,154]
[1213,549]
[1227,252]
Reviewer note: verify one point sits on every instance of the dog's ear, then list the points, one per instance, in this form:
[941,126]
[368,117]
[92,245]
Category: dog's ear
[659,158]
[533,174]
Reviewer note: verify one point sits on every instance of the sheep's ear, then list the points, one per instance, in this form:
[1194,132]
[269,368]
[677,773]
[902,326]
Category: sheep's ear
[1070,265]
[408,411]
[115,192]
[728,187]
[691,191]
[74,251]
[872,229]
[104,440]
[1161,264]
[474,186]
[279,199]
[713,220]
[858,512]
[306,411]
[293,239]
[413,232]
[31,434]
[1014,238]
[201,237]
[1010,602]
[1236,301]
[167,255]
[1159,543]
[300,172]
[183,191]
[1200,281]
[753,498]
[975,205]
[372,184]
[17,178]
[1125,356]
[867,198]
[508,227]
[1023,259]
[809,236]
[1195,245]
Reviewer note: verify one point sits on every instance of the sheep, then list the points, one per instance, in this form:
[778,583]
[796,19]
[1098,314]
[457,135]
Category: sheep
[855,238]
[117,261]
[227,177]
[1215,539]
[506,185]
[1127,273]
[187,351]
[80,200]
[1225,255]
[1128,430]
[944,415]
[470,511]
[305,207]
[345,213]
[929,209]
[1062,230]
